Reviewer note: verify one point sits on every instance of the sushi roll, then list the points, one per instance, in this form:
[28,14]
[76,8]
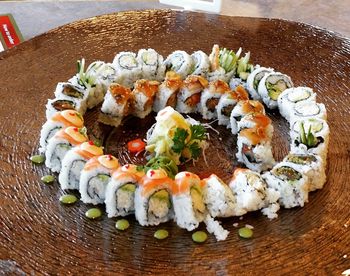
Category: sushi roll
[288,179]
[120,191]
[235,82]
[180,62]
[254,79]
[252,193]
[201,64]
[116,105]
[153,198]
[254,149]
[244,68]
[58,121]
[312,165]
[218,197]
[143,97]
[308,109]
[152,65]
[89,81]
[255,120]
[73,163]
[94,178]
[188,201]
[127,67]
[310,136]
[289,97]
[227,102]
[64,103]
[168,90]
[103,74]
[223,63]
[61,143]
[271,86]
[241,109]
[210,98]
[190,94]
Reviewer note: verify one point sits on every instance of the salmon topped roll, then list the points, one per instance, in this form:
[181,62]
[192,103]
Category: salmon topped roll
[58,121]
[241,109]
[227,102]
[189,96]
[153,198]
[120,192]
[255,120]
[95,176]
[143,97]
[188,200]
[168,90]
[210,98]
[61,143]
[74,162]
[116,105]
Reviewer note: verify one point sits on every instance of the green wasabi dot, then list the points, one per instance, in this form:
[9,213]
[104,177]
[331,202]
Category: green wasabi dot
[38,159]
[245,232]
[199,236]
[93,213]
[122,224]
[48,179]
[68,199]
[161,234]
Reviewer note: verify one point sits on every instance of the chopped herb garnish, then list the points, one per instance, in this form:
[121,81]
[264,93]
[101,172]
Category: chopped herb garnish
[198,132]
[83,131]
[195,150]
[139,168]
[179,140]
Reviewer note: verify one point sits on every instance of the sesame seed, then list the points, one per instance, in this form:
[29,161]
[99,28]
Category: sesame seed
[235,224]
[249,226]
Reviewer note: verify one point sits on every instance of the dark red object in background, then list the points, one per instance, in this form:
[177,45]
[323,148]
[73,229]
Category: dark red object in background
[10,34]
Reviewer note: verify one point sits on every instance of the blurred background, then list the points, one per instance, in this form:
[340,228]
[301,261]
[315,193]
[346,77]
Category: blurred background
[35,17]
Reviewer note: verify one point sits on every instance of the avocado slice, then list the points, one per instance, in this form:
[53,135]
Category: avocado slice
[197,199]
[129,187]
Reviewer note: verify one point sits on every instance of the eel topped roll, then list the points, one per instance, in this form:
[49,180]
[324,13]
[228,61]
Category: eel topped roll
[210,98]
[218,197]
[61,143]
[255,120]
[241,109]
[116,105]
[312,165]
[127,68]
[271,86]
[143,97]
[95,176]
[310,136]
[74,162]
[289,97]
[227,102]
[120,191]
[254,148]
[190,94]
[168,90]
[201,64]
[153,198]
[289,180]
[58,121]
[188,200]
[254,79]
[252,193]
[180,62]
[151,63]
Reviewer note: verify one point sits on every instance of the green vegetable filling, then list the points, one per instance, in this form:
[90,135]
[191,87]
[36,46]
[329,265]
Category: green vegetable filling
[301,159]
[275,89]
[288,173]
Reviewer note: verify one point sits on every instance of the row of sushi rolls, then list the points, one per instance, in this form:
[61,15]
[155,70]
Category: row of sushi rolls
[224,87]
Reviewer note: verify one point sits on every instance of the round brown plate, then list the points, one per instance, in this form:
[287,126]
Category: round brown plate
[38,234]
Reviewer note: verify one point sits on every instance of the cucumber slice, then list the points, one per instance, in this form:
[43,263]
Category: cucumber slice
[128,188]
